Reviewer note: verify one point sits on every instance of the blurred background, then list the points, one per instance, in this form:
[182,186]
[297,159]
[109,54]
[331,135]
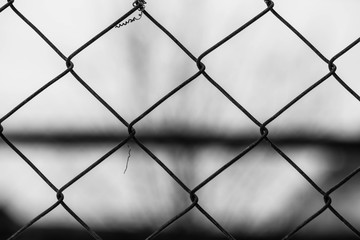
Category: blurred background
[195,132]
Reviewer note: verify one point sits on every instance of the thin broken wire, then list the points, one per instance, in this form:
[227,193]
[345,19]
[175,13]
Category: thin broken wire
[140,4]
[128,159]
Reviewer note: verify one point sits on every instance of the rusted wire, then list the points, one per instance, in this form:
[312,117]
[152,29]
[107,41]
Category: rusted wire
[264,136]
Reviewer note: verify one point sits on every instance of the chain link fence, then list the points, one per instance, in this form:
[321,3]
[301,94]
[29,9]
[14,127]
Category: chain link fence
[265,136]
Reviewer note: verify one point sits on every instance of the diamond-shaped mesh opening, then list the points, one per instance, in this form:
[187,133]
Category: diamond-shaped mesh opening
[64,107]
[200,108]
[259,187]
[327,119]
[288,66]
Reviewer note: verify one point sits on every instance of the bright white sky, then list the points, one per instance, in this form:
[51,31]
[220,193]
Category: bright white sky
[263,68]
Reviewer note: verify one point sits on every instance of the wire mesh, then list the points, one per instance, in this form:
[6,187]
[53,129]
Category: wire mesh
[264,134]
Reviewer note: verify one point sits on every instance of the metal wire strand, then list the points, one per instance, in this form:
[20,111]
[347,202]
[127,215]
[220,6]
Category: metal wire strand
[6,5]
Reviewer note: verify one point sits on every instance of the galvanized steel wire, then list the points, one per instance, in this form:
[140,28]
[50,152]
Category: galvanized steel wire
[264,134]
